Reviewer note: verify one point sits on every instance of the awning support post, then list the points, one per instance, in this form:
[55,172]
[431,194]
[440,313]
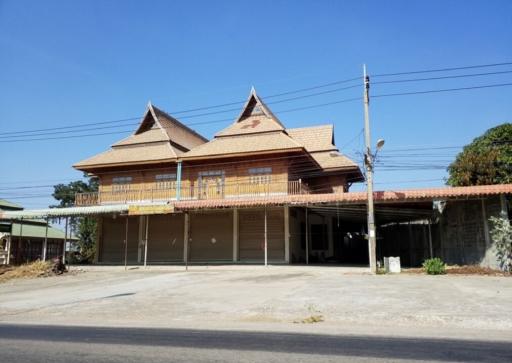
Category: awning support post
[146,242]
[266,240]
[126,245]
[45,243]
[185,240]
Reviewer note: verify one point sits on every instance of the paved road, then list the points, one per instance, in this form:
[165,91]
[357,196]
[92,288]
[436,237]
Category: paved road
[32,343]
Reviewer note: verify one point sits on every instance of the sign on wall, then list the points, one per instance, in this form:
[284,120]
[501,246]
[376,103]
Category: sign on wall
[139,210]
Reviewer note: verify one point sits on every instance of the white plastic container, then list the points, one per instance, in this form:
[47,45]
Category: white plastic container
[392,265]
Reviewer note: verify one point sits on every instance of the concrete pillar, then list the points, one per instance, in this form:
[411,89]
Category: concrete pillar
[287,234]
[235,235]
[8,248]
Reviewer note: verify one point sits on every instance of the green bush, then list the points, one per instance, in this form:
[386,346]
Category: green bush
[434,266]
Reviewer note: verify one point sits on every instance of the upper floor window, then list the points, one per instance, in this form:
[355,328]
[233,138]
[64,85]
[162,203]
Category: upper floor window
[260,175]
[121,183]
[165,181]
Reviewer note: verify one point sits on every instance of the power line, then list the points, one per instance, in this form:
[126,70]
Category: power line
[204,108]
[204,122]
[443,69]
[441,90]
[439,78]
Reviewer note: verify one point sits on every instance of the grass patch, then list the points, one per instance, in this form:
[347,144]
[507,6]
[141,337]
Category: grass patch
[310,320]
[29,270]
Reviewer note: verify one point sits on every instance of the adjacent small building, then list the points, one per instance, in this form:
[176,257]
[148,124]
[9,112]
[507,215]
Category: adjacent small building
[27,240]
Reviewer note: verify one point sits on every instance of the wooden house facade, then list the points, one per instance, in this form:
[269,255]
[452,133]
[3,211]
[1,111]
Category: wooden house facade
[165,162]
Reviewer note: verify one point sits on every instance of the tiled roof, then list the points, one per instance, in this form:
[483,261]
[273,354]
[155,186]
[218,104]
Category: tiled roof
[251,125]
[414,195]
[333,160]
[253,143]
[144,153]
[315,138]
[152,135]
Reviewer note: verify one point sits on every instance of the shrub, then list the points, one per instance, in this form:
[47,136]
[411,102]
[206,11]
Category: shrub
[501,235]
[434,266]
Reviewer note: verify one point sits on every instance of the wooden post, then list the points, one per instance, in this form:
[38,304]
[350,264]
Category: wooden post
[9,249]
[266,240]
[146,242]
[185,240]
[307,237]
[20,243]
[45,243]
[235,235]
[126,245]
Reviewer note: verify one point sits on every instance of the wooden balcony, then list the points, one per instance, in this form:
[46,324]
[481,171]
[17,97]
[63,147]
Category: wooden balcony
[205,191]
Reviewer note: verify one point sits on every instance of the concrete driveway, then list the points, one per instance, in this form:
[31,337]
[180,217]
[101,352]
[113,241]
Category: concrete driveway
[251,296]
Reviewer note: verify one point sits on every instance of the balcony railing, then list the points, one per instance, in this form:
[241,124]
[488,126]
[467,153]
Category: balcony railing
[204,191]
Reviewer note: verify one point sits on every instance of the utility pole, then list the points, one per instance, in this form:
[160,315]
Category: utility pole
[368,162]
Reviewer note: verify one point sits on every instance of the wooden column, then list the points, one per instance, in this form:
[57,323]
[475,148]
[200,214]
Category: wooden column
[235,235]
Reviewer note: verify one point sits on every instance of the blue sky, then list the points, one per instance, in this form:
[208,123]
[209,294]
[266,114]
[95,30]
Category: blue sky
[72,62]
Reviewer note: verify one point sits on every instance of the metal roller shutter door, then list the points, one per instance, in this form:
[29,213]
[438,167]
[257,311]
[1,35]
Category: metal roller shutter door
[251,229]
[133,239]
[211,236]
[165,238]
[112,244]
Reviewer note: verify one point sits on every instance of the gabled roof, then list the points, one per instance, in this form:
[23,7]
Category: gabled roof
[255,117]
[158,138]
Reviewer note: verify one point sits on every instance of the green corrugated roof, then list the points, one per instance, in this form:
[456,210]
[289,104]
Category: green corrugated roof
[5,204]
[37,231]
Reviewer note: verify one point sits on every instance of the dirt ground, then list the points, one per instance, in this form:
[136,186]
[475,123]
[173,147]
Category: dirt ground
[279,297]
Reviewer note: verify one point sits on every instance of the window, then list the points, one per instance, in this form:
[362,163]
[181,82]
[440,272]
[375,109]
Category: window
[260,175]
[165,181]
[121,183]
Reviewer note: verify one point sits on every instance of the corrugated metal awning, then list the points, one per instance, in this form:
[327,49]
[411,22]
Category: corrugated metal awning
[64,212]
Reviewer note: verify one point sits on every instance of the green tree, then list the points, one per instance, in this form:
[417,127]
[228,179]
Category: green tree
[84,228]
[486,160]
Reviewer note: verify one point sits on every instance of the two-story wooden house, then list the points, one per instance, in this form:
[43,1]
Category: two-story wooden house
[165,163]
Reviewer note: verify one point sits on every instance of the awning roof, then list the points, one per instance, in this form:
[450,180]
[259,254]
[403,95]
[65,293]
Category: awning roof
[64,212]
[339,199]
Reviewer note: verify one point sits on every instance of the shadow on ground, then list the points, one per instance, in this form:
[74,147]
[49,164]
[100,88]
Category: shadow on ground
[329,345]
